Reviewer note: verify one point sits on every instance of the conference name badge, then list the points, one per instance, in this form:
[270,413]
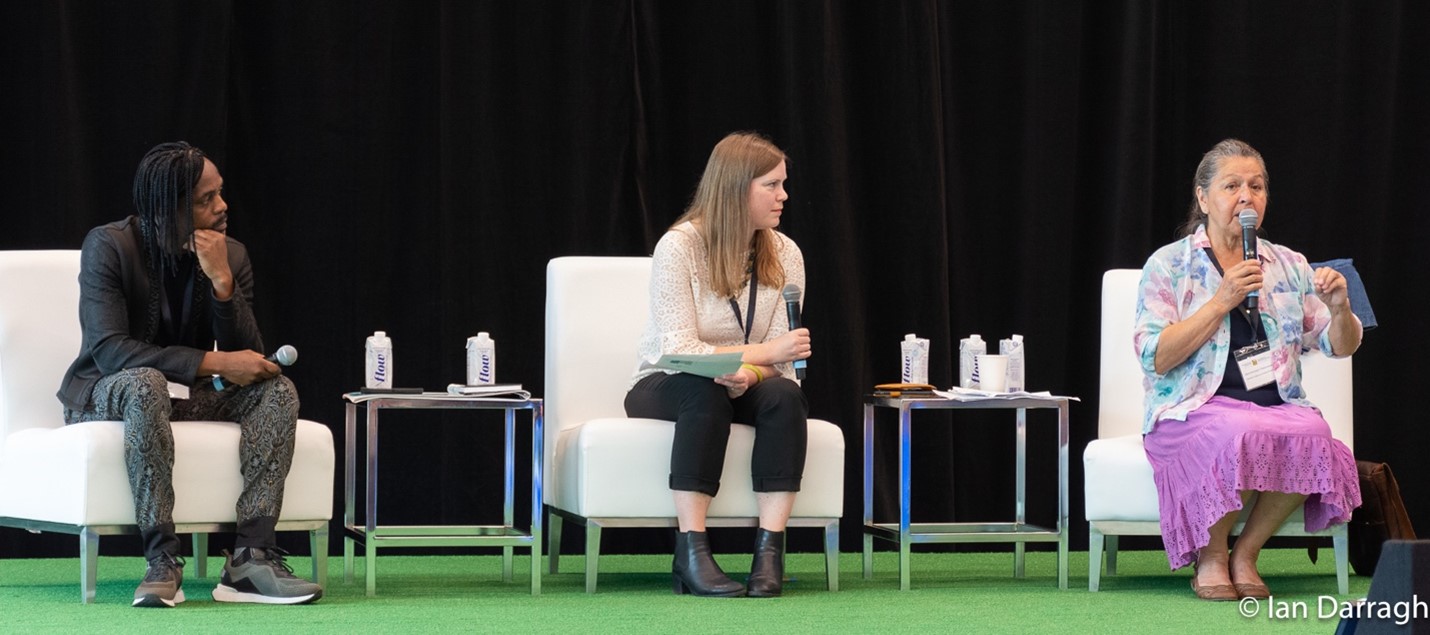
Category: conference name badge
[1255,364]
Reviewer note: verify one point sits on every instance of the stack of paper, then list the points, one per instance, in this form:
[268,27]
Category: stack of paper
[968,394]
[493,392]
[489,390]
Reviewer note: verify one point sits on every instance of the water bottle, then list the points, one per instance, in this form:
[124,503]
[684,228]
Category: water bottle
[379,361]
[481,360]
[915,351]
[969,348]
[1013,348]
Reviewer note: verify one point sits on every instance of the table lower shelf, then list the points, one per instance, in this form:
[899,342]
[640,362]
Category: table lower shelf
[441,536]
[399,536]
[929,533]
[964,532]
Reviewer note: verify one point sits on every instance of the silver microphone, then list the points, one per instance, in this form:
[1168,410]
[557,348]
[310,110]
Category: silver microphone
[284,356]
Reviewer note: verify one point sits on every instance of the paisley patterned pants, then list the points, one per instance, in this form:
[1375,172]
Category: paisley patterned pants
[267,413]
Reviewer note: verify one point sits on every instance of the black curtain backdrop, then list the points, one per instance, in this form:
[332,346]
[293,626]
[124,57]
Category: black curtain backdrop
[956,168]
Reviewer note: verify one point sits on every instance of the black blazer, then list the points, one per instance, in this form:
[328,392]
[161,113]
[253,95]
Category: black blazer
[119,315]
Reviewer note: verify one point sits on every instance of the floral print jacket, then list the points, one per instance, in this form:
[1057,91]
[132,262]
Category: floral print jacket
[1181,277]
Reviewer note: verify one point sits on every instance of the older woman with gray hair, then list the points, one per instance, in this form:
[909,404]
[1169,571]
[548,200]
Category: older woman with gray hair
[1227,424]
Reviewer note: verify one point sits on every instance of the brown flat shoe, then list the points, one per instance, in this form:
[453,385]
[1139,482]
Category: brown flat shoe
[1214,592]
[1258,591]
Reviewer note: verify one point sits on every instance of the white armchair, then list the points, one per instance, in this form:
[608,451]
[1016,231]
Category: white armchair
[603,469]
[1121,497]
[71,479]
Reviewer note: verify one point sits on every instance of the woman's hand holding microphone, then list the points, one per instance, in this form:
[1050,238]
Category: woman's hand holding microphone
[788,347]
[785,348]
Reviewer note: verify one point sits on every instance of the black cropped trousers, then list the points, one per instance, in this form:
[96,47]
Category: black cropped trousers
[703,412]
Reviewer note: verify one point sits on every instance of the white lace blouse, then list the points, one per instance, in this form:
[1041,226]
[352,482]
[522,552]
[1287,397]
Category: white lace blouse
[686,317]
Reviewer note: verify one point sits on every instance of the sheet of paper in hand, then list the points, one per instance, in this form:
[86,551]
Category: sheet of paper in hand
[704,365]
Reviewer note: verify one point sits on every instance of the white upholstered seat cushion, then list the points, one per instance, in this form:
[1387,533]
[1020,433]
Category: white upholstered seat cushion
[618,468]
[75,474]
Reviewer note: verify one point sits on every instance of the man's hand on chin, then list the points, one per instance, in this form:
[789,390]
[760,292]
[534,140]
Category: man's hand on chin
[211,246]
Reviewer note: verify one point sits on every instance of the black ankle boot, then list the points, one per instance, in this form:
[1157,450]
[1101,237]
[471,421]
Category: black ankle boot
[694,570]
[767,572]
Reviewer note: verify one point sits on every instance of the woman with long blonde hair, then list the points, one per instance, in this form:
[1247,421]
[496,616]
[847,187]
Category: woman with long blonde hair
[716,282]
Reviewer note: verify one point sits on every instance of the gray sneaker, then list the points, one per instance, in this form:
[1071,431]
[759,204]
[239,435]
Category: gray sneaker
[260,576]
[163,584]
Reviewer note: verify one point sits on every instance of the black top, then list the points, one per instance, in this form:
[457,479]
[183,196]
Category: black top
[1243,334]
[178,297]
[1232,383]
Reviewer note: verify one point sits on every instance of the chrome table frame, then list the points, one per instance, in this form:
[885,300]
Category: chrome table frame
[506,535]
[1018,532]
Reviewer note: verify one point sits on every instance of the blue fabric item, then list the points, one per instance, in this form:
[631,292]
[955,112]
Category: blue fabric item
[1360,304]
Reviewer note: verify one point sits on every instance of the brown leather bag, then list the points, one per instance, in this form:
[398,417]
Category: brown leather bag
[1380,517]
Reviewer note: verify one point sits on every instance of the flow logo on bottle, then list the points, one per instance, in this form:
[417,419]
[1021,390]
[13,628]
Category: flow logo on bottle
[485,372]
[380,373]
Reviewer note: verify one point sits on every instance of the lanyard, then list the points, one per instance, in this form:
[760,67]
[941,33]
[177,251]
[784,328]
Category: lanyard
[1253,316]
[750,310]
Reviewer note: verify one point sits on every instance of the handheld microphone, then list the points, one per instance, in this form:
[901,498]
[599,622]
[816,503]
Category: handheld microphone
[1247,218]
[791,293]
[284,356]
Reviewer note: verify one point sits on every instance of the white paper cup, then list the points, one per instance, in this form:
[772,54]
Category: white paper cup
[993,373]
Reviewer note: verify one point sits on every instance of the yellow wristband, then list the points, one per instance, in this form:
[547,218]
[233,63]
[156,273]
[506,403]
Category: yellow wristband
[759,376]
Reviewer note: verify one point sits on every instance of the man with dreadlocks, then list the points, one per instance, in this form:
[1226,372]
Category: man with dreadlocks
[165,296]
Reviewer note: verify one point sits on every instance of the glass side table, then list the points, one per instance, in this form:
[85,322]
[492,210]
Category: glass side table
[903,533]
[374,536]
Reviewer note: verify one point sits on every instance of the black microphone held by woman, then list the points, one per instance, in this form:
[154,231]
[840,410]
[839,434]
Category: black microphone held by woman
[791,295]
[1247,218]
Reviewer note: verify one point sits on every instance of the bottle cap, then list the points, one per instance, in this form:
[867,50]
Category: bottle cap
[910,337]
[379,333]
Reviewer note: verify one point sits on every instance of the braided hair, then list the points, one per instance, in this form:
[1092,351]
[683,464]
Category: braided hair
[164,198]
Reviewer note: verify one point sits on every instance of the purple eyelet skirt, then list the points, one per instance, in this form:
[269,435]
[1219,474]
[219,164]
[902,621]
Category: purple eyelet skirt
[1227,446]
